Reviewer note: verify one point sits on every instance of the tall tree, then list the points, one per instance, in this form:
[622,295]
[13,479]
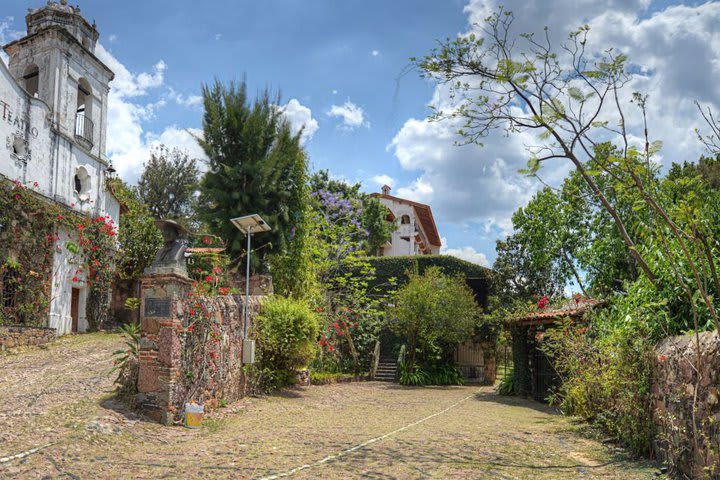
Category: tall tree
[168,184]
[255,165]
[139,238]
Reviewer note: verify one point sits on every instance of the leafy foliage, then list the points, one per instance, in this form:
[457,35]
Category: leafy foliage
[168,183]
[256,165]
[286,331]
[139,238]
[434,312]
[125,360]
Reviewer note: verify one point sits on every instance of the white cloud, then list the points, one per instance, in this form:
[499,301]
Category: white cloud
[183,100]
[129,107]
[299,117]
[218,36]
[334,92]
[384,179]
[674,51]
[352,115]
[113,38]
[466,253]
[375,53]
[7,35]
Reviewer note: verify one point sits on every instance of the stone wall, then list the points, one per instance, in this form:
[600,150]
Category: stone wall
[191,347]
[687,411]
[12,336]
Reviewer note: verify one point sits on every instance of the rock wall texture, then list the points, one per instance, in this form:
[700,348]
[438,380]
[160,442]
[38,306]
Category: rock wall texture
[12,336]
[191,347]
[686,398]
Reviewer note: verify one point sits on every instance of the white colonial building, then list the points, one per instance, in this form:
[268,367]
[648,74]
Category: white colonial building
[53,115]
[416,233]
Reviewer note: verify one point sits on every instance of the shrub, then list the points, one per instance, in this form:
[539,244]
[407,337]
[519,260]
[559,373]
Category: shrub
[507,384]
[286,331]
[445,375]
[605,368]
[433,312]
[412,375]
[125,360]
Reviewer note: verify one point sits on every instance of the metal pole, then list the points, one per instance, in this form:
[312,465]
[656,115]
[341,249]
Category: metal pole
[247,282]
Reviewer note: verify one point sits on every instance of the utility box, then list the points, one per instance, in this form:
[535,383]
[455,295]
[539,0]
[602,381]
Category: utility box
[248,354]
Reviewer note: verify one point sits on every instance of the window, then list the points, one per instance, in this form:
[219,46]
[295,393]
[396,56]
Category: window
[82,184]
[405,220]
[32,79]
[83,115]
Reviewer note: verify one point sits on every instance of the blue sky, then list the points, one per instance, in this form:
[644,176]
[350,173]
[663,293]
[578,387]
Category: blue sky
[341,66]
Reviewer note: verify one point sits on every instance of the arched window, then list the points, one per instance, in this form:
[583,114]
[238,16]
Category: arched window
[405,220]
[81,183]
[31,76]
[83,116]
[84,97]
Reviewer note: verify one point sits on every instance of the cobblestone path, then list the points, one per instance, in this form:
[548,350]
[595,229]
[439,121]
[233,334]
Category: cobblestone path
[58,401]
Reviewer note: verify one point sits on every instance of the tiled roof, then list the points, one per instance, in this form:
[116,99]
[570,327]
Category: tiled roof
[551,316]
[205,250]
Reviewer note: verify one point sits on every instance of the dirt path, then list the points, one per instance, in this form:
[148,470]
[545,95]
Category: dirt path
[364,430]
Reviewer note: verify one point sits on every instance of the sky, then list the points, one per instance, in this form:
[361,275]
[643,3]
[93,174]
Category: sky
[343,70]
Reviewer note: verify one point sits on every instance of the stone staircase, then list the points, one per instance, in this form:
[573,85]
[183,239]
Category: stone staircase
[387,370]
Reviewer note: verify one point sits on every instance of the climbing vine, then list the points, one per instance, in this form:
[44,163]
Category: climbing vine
[32,231]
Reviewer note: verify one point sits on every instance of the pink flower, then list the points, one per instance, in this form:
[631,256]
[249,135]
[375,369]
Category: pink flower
[662,358]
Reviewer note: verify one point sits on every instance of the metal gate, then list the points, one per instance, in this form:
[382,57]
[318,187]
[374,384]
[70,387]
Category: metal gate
[544,376]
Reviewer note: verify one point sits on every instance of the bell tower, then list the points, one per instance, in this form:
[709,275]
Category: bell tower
[56,63]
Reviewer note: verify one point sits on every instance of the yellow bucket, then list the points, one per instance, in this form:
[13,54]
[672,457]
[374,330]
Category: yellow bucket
[193,415]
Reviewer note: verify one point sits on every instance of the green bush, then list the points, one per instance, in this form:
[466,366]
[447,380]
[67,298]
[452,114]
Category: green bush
[412,375]
[445,375]
[434,312]
[287,332]
[507,384]
[605,368]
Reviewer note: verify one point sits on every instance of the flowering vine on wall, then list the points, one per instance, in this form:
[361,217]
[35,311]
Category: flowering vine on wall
[30,236]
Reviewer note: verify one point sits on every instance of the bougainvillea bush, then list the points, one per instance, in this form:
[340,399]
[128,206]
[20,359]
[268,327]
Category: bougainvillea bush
[30,236]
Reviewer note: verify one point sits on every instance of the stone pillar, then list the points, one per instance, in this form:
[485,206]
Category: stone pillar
[164,287]
[161,317]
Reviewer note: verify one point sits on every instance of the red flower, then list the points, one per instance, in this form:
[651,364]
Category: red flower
[542,303]
[80,226]
[59,217]
[224,290]
[577,298]
[191,328]
[17,196]
[75,278]
[207,240]
[209,278]
[36,184]
[217,270]
[192,312]
[662,358]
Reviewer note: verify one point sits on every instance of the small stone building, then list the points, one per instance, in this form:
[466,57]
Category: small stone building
[534,374]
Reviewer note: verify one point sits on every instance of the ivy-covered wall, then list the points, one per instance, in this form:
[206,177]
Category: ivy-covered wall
[391,272]
[45,248]
[27,243]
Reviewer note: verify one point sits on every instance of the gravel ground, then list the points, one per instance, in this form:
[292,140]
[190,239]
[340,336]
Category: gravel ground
[59,400]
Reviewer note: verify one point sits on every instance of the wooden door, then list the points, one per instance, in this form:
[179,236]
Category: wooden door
[75,308]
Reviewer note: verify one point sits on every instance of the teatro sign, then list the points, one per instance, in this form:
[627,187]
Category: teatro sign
[16,121]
